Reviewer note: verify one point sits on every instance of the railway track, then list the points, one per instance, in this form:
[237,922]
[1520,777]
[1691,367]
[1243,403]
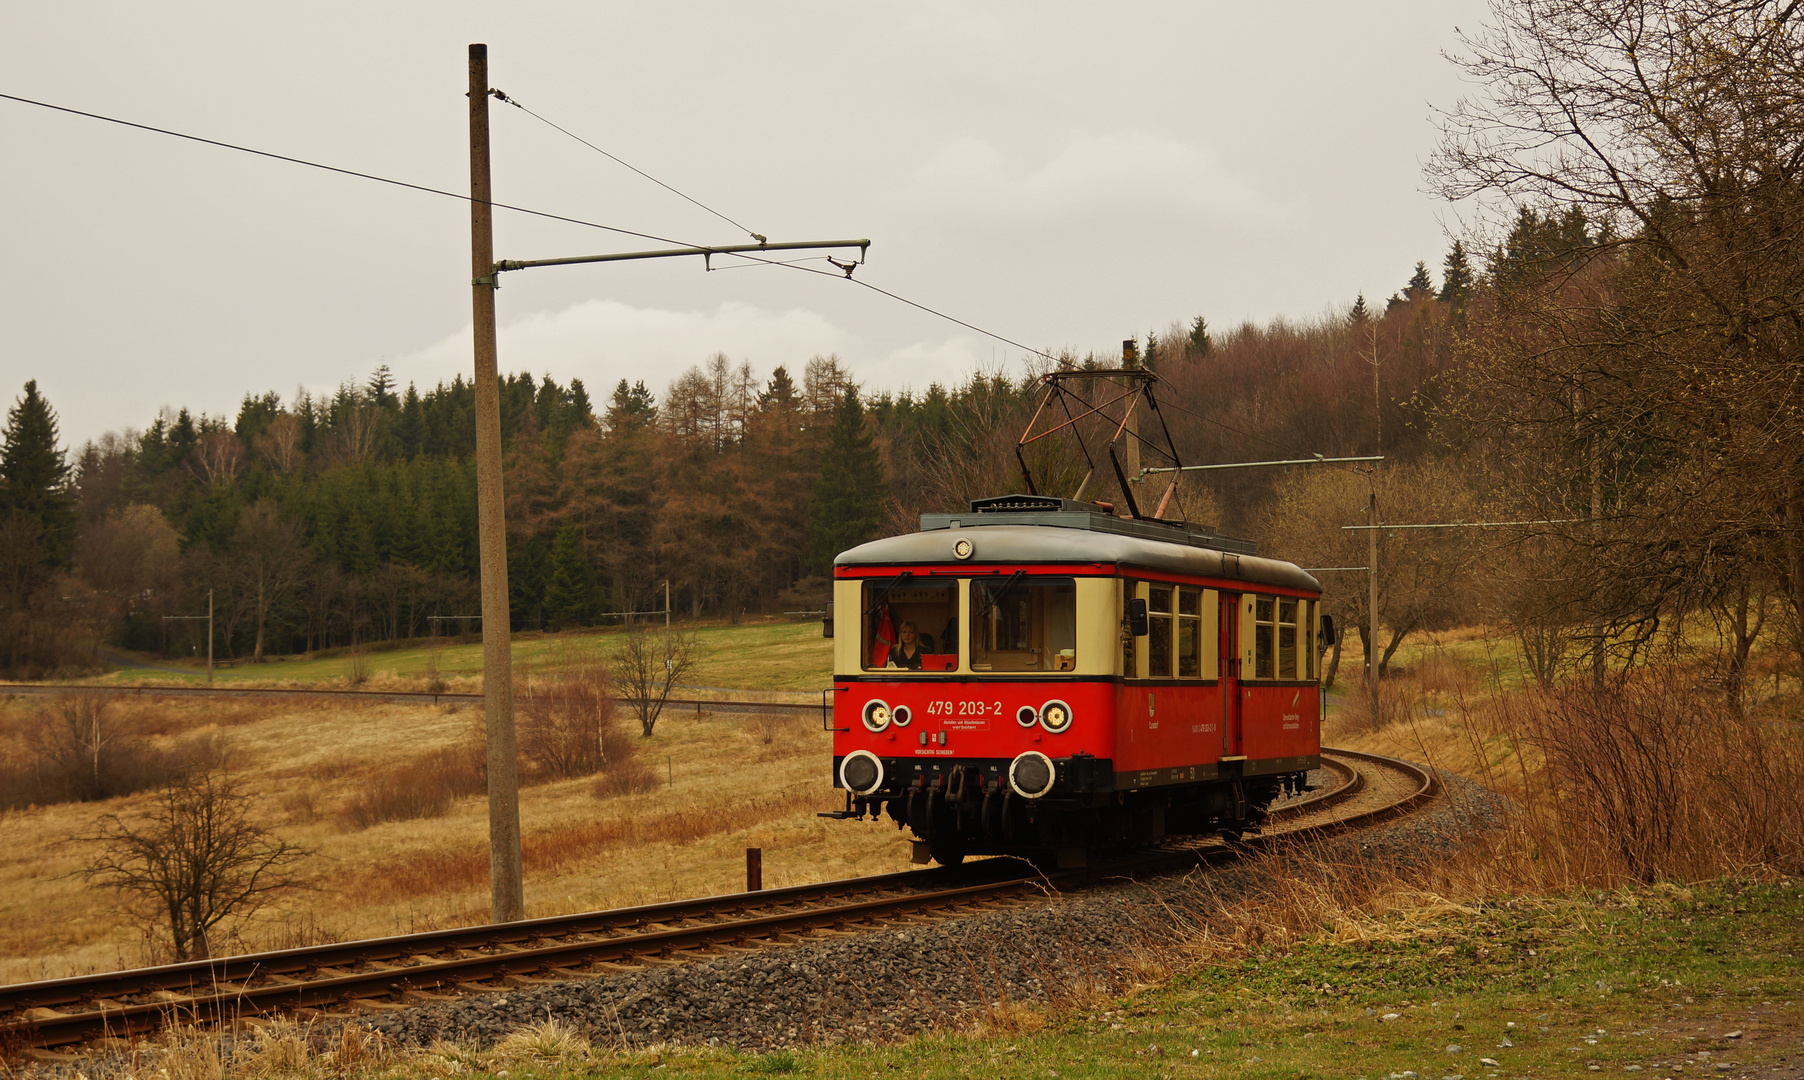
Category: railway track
[673,706]
[395,972]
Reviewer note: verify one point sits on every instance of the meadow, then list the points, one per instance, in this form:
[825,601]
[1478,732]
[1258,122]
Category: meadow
[322,775]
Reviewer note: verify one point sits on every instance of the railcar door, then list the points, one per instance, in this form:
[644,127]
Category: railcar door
[1229,661]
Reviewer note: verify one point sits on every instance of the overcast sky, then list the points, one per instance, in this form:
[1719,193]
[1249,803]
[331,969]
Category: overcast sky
[1064,175]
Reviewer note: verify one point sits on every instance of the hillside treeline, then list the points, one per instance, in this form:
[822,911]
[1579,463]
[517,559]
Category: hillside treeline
[327,521]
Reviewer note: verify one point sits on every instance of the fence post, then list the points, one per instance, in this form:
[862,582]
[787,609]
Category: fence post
[754,869]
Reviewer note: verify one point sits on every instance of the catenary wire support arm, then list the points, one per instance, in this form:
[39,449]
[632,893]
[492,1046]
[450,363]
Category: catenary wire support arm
[707,254]
[1471,524]
[1317,460]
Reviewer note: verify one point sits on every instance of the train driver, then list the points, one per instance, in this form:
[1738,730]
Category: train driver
[907,652]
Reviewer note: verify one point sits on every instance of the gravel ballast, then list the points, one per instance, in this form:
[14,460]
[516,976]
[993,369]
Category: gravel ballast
[889,983]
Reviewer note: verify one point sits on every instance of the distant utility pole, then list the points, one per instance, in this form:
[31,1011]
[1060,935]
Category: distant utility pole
[506,890]
[507,897]
[209,617]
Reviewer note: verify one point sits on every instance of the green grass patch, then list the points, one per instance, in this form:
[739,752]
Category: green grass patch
[1628,984]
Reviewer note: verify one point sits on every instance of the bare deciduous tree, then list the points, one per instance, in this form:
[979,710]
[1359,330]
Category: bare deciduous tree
[648,667]
[1640,348]
[567,725]
[196,860]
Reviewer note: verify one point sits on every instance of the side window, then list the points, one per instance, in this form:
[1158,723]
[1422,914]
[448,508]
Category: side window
[1312,649]
[1265,632]
[1287,638]
[1158,635]
[1190,633]
[1129,590]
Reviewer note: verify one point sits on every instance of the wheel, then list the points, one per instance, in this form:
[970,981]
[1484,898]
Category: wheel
[946,855]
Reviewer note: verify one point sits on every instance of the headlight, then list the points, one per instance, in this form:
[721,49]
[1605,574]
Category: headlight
[876,715]
[1055,716]
[1025,716]
[861,772]
[901,715]
[1031,775]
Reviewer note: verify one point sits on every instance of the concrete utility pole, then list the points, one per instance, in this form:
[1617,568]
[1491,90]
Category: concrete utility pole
[1372,604]
[209,617]
[507,900]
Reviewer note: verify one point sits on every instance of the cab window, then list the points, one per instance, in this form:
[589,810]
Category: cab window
[1020,623]
[910,624]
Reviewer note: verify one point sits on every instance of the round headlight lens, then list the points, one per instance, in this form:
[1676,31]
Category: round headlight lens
[901,715]
[1031,774]
[876,715]
[861,772]
[1055,716]
[961,548]
[1025,716]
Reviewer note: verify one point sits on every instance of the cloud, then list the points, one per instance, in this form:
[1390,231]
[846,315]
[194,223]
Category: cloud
[604,341]
[968,184]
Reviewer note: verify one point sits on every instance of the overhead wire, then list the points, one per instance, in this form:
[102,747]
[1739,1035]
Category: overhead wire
[790,264]
[506,99]
[336,169]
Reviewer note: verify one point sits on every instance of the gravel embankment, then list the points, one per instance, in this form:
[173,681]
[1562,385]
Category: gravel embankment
[884,984]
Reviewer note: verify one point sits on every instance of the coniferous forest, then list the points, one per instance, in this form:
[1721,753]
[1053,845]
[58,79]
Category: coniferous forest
[325,521]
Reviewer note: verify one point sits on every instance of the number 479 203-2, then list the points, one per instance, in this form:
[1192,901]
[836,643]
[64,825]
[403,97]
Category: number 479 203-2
[964,708]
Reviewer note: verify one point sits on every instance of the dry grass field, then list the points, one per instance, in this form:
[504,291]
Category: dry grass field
[321,774]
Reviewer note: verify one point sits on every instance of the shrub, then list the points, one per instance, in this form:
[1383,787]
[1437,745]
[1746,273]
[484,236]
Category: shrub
[86,747]
[568,727]
[1661,779]
[422,788]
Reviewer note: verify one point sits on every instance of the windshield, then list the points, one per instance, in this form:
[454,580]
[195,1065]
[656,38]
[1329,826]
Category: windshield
[910,624]
[1024,624]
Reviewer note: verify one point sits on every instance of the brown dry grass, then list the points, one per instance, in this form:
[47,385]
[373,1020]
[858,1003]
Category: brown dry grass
[705,789]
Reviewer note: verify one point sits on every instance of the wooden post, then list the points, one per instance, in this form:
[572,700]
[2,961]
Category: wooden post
[754,869]
[507,902]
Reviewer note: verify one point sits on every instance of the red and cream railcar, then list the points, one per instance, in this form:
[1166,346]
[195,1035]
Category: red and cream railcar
[1038,677]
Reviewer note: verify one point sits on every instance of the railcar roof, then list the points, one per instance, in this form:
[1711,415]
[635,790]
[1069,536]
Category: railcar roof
[1060,543]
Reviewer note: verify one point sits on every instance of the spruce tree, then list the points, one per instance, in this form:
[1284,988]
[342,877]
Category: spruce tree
[1456,277]
[849,496]
[1420,284]
[1200,342]
[34,475]
[1360,314]
[569,589]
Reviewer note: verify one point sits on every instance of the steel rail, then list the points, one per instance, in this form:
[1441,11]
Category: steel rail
[248,985]
[423,697]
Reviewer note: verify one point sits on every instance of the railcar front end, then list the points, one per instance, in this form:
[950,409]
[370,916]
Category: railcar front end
[1039,678]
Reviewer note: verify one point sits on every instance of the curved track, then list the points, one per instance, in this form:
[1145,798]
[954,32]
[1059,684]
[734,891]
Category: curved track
[394,972]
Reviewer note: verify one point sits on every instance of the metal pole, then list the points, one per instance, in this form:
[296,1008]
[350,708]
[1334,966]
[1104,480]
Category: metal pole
[507,902]
[1372,601]
[666,605]
[209,637]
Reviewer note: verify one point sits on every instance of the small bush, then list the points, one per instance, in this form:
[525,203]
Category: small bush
[625,776]
[567,726]
[768,727]
[86,747]
[422,788]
